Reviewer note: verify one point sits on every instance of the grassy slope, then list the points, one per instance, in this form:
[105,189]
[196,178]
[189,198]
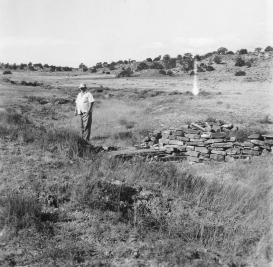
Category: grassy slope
[219,213]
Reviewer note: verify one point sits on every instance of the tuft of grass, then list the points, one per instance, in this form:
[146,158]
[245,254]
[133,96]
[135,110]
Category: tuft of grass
[266,120]
[21,211]
[127,124]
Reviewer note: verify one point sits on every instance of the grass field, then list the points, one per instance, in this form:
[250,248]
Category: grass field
[51,211]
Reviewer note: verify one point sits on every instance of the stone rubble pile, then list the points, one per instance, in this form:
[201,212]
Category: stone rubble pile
[205,141]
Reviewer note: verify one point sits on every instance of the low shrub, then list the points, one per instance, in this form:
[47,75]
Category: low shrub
[142,66]
[210,68]
[240,62]
[125,73]
[5,72]
[240,73]
[163,72]
[170,73]
[21,210]
[268,49]
[217,59]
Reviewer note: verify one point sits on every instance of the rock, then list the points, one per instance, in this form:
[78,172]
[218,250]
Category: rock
[163,141]
[179,133]
[195,143]
[194,125]
[212,141]
[197,140]
[206,135]
[251,152]
[246,144]
[203,150]
[190,131]
[257,142]
[217,157]
[228,126]
[233,151]
[190,148]
[182,138]
[193,136]
[216,128]
[224,145]
[229,159]
[255,136]
[218,152]
[218,135]
[192,153]
[267,136]
[193,159]
[204,156]
[176,142]
[232,139]
[268,142]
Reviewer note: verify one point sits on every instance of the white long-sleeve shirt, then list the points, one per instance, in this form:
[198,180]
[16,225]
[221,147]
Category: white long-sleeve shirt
[83,102]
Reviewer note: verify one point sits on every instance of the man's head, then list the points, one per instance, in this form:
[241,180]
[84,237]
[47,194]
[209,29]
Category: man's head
[82,87]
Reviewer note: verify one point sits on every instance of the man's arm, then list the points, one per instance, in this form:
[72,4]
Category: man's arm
[90,107]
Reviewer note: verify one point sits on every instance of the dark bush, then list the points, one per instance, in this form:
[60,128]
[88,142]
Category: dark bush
[125,73]
[230,53]
[156,65]
[268,49]
[222,51]
[142,66]
[163,72]
[242,51]
[209,68]
[149,59]
[170,73]
[240,73]
[93,70]
[217,59]
[239,62]
[157,58]
[7,72]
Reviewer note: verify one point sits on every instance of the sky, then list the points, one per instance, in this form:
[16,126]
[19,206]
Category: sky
[68,32]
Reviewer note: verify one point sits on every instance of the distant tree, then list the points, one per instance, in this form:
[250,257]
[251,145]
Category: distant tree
[156,65]
[83,67]
[197,57]
[187,55]
[99,65]
[222,50]
[46,66]
[157,58]
[93,70]
[120,62]
[149,59]
[242,51]
[7,66]
[179,57]
[230,53]
[105,64]
[142,66]
[268,49]
[126,62]
[22,66]
[166,58]
[187,62]
[13,66]
[29,64]
[258,49]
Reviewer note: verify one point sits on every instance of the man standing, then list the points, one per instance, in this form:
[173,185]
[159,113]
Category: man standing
[84,108]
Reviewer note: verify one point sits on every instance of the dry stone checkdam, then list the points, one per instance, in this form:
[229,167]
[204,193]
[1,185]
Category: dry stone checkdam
[200,142]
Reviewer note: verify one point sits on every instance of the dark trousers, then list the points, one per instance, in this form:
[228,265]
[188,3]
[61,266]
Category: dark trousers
[86,122]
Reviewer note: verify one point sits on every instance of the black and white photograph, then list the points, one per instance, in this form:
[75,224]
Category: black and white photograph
[136,133]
